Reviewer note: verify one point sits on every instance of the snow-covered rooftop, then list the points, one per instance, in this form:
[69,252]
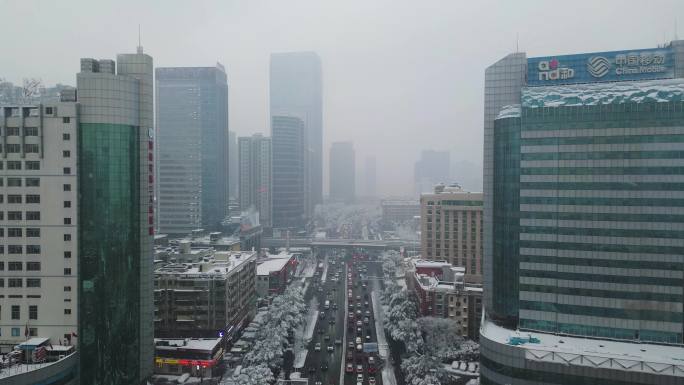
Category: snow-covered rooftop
[221,263]
[271,265]
[670,90]
[203,344]
[566,350]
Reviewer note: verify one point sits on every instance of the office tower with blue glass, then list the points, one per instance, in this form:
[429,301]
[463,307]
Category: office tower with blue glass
[115,220]
[289,169]
[256,191]
[192,131]
[584,184]
[296,90]
[342,172]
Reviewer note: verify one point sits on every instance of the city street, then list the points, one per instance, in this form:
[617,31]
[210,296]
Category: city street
[329,351]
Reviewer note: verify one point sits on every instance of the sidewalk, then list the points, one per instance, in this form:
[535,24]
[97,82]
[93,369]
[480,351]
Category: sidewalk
[304,333]
[388,377]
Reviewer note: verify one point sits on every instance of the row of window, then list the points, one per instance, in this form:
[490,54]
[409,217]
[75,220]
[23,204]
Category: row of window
[19,282]
[18,266]
[18,232]
[30,249]
[30,216]
[14,148]
[17,198]
[16,165]
[15,312]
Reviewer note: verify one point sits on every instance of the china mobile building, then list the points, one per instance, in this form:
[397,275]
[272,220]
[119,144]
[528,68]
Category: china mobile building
[584,219]
[115,157]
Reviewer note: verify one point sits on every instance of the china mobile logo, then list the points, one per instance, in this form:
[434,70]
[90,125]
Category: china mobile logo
[598,66]
[552,70]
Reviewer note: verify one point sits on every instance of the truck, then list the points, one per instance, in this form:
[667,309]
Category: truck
[327,305]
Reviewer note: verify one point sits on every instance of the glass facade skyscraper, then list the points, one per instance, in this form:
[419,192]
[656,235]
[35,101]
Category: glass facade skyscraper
[192,128]
[342,172]
[586,272]
[287,135]
[296,90]
[115,141]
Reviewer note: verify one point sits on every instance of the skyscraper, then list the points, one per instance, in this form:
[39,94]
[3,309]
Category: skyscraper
[432,168]
[287,134]
[255,176]
[115,218]
[296,90]
[233,165]
[192,127]
[342,172]
[370,177]
[586,255]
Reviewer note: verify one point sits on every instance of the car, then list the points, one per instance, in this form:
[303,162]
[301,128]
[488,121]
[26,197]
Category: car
[351,316]
[321,331]
[359,368]
[371,360]
[312,369]
[358,340]
[359,347]
[327,337]
[331,348]
[359,377]
[368,338]
[322,315]
[372,369]
[358,323]
[324,366]
[365,304]
[317,347]
[368,313]
[350,345]
[365,320]
[358,312]
[350,353]
[338,342]
[359,331]
[349,368]
[318,383]
[371,380]
[332,321]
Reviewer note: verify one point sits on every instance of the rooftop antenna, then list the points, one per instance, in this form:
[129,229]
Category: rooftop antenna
[140,48]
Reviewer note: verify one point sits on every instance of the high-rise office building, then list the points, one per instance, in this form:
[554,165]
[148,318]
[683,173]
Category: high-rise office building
[288,170]
[255,176]
[192,132]
[115,219]
[432,168]
[233,166]
[38,223]
[296,90]
[451,229]
[585,271]
[370,177]
[342,172]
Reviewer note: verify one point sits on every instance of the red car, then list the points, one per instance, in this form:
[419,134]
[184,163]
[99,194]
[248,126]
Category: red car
[349,368]
[372,369]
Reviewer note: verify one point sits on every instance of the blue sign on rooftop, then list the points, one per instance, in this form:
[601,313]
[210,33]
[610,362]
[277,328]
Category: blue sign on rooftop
[642,64]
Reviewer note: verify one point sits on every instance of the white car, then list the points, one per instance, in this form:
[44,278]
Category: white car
[317,347]
[359,378]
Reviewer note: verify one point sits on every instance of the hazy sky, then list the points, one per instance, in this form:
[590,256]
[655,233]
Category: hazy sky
[398,76]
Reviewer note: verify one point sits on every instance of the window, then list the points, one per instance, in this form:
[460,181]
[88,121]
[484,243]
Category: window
[14,249]
[67,254]
[67,288]
[30,131]
[67,311]
[32,232]
[33,311]
[66,119]
[1,164]
[32,165]
[32,182]
[14,266]
[14,282]
[66,187]
[2,266]
[31,148]
[66,136]
[67,237]
[67,221]
[13,182]
[67,271]
[33,332]
[13,198]
[33,266]
[13,165]
[66,154]
[32,282]
[2,282]
[67,204]
[12,131]
[32,249]
[33,215]
[32,198]
[67,170]
[2,232]
[15,331]
[49,110]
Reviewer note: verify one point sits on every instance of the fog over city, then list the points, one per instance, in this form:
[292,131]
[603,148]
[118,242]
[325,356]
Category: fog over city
[398,76]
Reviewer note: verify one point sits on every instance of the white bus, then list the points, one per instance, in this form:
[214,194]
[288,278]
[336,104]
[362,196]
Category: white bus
[327,305]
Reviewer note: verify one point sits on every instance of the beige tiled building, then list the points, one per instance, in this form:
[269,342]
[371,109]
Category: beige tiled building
[451,229]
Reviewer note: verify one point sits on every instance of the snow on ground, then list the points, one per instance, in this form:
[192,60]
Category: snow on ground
[379,330]
[308,270]
[388,375]
[325,270]
[304,334]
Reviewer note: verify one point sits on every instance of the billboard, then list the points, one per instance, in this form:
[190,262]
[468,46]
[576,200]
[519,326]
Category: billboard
[615,66]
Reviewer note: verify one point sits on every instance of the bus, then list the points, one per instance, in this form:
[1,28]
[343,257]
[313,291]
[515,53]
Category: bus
[327,305]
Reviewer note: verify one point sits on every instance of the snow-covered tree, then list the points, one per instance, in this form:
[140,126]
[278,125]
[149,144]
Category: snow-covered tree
[441,337]
[254,375]
[418,368]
